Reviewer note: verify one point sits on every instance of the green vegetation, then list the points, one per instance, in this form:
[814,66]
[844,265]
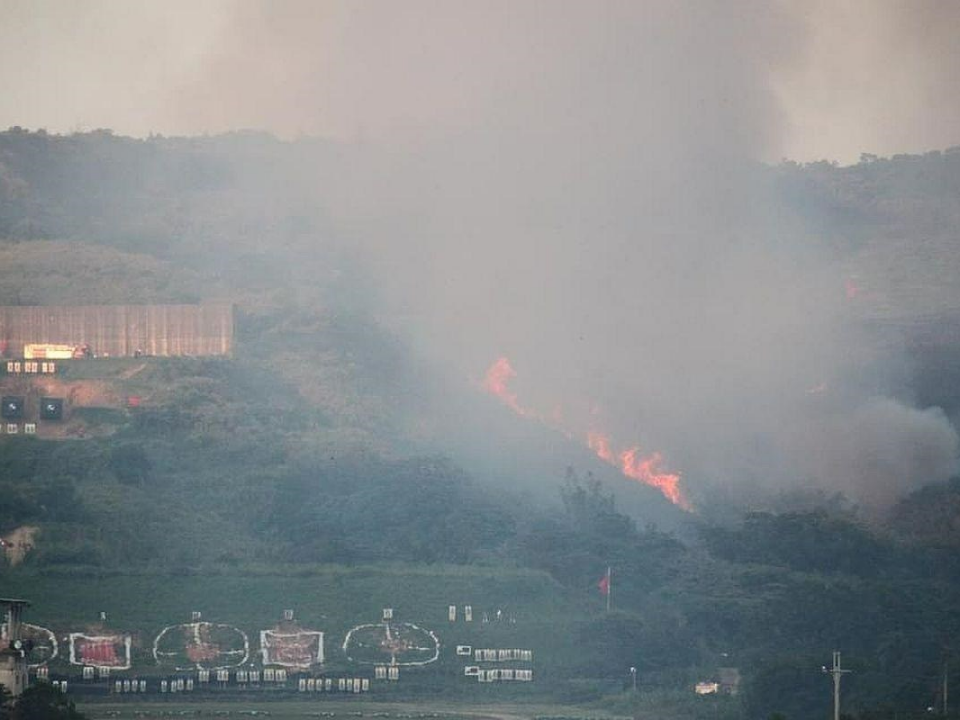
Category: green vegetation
[339,709]
[295,475]
[38,702]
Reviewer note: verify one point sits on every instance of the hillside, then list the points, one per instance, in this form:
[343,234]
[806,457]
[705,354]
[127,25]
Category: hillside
[329,466]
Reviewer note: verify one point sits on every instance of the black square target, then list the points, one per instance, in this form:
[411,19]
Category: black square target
[51,408]
[12,408]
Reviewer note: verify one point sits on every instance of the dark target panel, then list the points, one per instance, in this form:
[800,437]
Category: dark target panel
[12,408]
[51,408]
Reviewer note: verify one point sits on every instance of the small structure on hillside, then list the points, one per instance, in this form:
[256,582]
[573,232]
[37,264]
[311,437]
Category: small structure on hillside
[13,653]
[728,683]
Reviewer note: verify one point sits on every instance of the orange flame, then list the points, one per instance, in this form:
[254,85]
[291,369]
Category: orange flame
[495,383]
[645,469]
[601,446]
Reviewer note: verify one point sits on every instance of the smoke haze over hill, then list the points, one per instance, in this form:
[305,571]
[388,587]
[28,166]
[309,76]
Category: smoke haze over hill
[805,80]
[574,186]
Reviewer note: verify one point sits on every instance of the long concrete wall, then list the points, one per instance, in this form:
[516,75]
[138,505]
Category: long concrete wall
[121,330]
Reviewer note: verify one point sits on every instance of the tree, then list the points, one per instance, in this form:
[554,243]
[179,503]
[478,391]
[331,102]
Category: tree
[5,704]
[44,702]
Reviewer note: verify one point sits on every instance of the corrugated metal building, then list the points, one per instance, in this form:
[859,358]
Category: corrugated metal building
[121,330]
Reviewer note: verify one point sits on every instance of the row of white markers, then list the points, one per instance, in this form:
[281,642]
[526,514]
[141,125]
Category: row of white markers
[354,685]
[499,655]
[351,685]
[498,674]
[268,675]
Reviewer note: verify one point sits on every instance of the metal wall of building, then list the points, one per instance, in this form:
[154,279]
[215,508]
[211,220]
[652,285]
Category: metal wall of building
[121,330]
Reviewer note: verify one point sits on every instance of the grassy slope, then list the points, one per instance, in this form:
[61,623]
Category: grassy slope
[353,707]
[643,706]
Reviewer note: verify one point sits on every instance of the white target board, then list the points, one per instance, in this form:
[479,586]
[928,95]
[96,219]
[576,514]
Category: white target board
[391,644]
[201,646]
[104,652]
[299,649]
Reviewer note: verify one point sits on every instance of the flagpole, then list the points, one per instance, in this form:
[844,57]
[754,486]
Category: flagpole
[609,588]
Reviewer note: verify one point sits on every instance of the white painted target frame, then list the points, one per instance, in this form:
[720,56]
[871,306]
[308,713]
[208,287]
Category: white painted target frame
[51,637]
[163,657]
[268,659]
[393,658]
[54,645]
[116,640]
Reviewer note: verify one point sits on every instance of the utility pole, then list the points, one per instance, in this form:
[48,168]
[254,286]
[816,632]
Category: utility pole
[945,686]
[606,586]
[837,672]
[609,586]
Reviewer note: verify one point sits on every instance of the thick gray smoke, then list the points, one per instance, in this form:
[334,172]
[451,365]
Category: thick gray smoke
[569,185]
[872,77]
[572,185]
[862,76]
[573,191]
[881,449]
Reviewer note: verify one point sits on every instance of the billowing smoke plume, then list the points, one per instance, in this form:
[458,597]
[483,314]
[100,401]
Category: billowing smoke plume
[573,185]
[862,76]
[882,449]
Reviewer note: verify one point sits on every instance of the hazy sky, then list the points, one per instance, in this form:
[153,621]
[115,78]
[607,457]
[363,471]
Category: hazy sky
[807,79]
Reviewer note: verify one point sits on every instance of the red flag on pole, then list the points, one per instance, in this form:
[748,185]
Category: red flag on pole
[605,587]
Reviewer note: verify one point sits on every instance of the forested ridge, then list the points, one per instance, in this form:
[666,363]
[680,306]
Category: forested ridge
[306,449]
